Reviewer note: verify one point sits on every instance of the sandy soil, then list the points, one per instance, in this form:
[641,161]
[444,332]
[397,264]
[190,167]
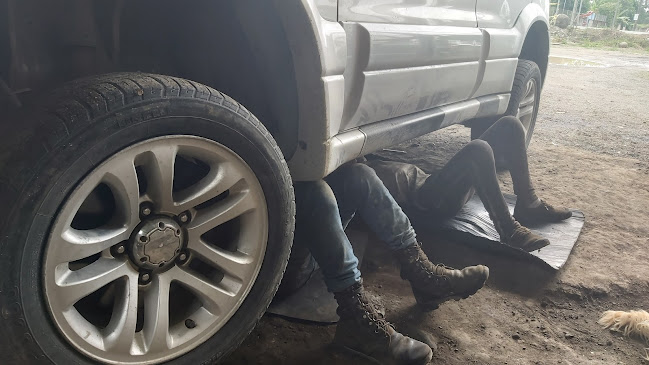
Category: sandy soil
[591,152]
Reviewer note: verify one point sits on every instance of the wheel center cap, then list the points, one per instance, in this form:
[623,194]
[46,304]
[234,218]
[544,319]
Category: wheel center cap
[156,243]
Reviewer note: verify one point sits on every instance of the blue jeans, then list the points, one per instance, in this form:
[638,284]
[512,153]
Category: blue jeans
[325,207]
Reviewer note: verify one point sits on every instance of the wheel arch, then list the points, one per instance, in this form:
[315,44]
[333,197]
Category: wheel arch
[536,46]
[268,55]
[238,47]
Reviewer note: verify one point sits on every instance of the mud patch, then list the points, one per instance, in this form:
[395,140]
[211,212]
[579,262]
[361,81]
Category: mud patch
[566,61]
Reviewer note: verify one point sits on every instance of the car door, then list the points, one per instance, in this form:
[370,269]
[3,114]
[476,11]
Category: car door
[406,56]
[496,18]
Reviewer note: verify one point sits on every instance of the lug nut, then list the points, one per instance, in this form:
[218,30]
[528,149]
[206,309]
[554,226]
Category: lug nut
[182,258]
[183,217]
[145,277]
[118,249]
[145,210]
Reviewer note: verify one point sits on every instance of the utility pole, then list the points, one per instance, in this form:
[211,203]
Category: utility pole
[581,2]
[574,10]
[617,10]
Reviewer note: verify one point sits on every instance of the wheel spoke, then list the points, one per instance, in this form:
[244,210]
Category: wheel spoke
[75,244]
[236,264]
[75,285]
[156,315]
[159,167]
[122,178]
[527,101]
[92,285]
[219,180]
[522,112]
[213,297]
[530,84]
[226,210]
[120,332]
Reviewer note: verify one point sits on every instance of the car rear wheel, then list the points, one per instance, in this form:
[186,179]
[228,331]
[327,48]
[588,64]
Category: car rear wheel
[151,221]
[524,100]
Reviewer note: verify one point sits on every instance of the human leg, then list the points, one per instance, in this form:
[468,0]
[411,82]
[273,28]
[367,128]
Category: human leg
[318,226]
[359,190]
[361,328]
[507,140]
[474,167]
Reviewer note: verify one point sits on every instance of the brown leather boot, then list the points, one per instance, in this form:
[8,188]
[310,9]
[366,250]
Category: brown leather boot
[524,239]
[540,212]
[362,330]
[432,284]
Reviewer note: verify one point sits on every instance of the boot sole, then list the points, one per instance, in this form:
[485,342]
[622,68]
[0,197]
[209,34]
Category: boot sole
[431,305]
[532,248]
[434,304]
[366,357]
[535,221]
[359,354]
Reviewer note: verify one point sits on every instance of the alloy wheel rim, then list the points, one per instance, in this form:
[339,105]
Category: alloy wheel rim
[527,105]
[169,264]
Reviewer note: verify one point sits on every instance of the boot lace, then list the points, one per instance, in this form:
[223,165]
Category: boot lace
[429,271]
[372,318]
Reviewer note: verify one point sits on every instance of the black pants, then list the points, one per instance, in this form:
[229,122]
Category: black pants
[473,169]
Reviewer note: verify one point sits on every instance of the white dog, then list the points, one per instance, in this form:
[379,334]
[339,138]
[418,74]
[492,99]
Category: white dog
[632,323]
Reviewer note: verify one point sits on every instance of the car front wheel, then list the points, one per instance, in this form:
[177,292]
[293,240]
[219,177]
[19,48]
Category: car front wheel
[150,220]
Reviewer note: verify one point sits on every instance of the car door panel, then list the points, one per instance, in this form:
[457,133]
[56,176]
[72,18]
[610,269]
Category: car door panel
[496,18]
[459,13]
[499,13]
[402,69]
[405,56]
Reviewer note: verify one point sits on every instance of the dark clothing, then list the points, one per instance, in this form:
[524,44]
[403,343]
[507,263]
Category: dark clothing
[325,208]
[472,169]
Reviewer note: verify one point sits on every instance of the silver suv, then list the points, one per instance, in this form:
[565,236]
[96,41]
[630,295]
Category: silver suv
[149,218]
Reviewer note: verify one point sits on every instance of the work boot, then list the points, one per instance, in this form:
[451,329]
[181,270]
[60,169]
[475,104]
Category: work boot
[524,239]
[432,284]
[540,212]
[363,330]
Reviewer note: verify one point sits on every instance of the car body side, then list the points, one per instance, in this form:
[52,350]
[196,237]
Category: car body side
[326,143]
[331,81]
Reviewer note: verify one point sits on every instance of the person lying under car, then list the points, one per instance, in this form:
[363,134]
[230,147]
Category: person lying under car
[323,210]
[442,194]
[373,191]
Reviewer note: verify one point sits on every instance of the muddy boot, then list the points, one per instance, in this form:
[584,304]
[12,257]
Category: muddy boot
[540,212]
[432,284]
[511,232]
[523,238]
[362,330]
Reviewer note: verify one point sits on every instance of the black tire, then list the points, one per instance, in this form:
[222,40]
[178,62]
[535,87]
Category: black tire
[46,153]
[525,71]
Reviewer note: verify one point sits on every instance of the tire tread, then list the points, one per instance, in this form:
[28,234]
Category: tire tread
[73,108]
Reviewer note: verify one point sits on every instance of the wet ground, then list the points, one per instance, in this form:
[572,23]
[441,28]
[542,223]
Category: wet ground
[590,151]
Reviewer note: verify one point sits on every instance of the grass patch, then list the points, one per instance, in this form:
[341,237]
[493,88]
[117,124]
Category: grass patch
[600,38]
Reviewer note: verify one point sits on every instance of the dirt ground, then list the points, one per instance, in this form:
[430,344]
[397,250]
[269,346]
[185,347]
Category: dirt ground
[590,151]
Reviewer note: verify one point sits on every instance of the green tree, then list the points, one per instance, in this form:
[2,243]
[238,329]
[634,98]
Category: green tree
[585,6]
[625,15]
